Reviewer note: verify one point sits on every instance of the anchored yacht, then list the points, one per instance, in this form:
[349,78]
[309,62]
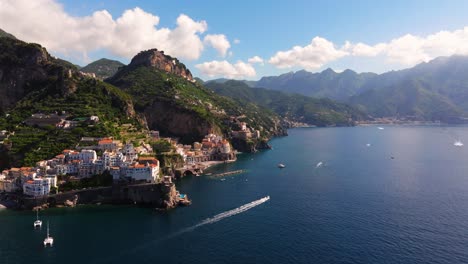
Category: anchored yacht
[48,240]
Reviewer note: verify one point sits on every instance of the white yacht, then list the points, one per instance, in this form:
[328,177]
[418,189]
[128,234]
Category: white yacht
[37,223]
[281,165]
[48,240]
[458,143]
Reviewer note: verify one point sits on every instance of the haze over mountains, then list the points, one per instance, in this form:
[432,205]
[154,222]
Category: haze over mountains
[436,90]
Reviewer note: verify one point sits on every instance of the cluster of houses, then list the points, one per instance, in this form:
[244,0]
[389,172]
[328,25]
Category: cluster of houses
[123,161]
[245,132]
[212,148]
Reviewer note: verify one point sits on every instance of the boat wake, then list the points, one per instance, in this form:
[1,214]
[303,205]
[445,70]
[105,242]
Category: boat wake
[207,221]
[224,215]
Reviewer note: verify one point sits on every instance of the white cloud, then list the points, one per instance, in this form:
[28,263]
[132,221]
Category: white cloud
[219,42]
[313,56]
[255,59]
[364,50]
[236,41]
[239,70]
[46,22]
[406,50]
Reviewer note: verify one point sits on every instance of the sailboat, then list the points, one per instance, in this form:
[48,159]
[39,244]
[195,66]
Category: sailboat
[48,240]
[37,223]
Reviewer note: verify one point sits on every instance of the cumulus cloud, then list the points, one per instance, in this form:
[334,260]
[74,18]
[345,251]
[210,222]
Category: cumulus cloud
[406,50]
[255,59]
[239,70]
[46,22]
[218,42]
[313,56]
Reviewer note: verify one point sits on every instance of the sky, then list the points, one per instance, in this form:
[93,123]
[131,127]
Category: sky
[246,39]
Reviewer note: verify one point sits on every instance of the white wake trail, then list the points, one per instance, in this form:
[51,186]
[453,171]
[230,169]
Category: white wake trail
[223,215]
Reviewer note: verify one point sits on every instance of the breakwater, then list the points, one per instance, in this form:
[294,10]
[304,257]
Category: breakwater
[228,173]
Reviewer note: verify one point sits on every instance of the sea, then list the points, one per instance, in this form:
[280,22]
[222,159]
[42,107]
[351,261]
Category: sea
[395,194]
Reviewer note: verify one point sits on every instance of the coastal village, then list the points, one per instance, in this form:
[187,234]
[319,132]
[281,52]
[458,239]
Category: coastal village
[127,163]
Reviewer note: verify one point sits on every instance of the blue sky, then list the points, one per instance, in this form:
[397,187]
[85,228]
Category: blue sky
[394,35]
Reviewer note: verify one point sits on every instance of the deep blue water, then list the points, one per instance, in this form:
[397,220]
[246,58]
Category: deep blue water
[360,206]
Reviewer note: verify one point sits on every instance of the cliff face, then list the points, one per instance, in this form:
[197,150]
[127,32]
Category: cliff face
[174,120]
[23,66]
[157,59]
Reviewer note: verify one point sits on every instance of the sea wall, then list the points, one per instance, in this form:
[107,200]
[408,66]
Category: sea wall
[163,196]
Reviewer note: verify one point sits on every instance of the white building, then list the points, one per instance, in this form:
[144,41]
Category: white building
[143,172]
[53,180]
[108,144]
[112,159]
[8,186]
[37,187]
[87,156]
[129,152]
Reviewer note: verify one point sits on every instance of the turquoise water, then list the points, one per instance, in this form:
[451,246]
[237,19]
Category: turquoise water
[359,206]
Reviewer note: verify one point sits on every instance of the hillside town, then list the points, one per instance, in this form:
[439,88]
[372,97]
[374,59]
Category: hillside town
[124,162]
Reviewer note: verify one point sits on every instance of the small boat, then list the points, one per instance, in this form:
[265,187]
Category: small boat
[380,128]
[48,240]
[37,223]
[458,143]
[368,145]
[319,164]
[281,166]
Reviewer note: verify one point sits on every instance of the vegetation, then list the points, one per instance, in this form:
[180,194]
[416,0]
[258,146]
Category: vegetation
[162,146]
[100,180]
[53,86]
[103,68]
[294,107]
[150,86]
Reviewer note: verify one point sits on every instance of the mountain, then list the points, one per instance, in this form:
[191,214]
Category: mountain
[292,107]
[326,84]
[37,90]
[443,81]
[4,34]
[223,80]
[103,68]
[409,99]
[174,103]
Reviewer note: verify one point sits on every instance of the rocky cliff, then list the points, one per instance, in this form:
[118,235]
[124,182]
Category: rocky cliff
[158,60]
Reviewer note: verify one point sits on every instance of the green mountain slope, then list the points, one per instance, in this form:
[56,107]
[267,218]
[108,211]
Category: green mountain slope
[103,68]
[175,104]
[4,34]
[293,107]
[326,84]
[34,82]
[410,100]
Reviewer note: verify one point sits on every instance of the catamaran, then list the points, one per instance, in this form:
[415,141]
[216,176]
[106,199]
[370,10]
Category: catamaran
[37,223]
[48,240]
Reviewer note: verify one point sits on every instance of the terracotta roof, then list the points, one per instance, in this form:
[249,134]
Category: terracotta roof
[105,141]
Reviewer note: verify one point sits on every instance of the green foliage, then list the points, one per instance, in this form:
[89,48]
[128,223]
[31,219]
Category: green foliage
[103,68]
[162,146]
[320,112]
[148,85]
[104,179]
